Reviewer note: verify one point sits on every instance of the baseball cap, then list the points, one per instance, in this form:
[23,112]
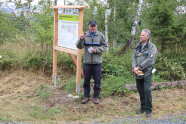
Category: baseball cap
[92,22]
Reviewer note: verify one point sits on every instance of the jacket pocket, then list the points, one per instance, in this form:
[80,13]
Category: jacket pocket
[97,58]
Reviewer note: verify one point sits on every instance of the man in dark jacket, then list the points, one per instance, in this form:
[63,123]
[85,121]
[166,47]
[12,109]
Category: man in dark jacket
[94,44]
[144,57]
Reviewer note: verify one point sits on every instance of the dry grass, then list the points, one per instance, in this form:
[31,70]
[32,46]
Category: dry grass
[19,48]
[19,101]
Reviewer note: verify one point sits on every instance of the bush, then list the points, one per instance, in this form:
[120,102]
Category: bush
[38,61]
[170,70]
[44,61]
[70,85]
[117,71]
[113,85]
[7,59]
[35,60]
[117,65]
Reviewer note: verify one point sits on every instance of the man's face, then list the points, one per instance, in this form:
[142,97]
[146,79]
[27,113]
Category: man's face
[144,37]
[92,28]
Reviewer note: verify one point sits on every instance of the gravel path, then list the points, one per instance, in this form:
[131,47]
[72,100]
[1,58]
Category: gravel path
[171,119]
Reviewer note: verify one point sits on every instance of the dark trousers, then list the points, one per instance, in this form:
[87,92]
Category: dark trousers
[144,89]
[95,71]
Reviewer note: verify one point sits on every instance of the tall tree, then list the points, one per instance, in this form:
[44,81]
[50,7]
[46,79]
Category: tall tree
[120,21]
[106,5]
[162,21]
[134,27]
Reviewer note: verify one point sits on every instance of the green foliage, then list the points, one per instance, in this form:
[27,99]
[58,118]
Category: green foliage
[40,112]
[179,57]
[7,29]
[92,14]
[170,70]
[117,65]
[113,85]
[34,60]
[65,62]
[122,17]
[7,60]
[5,118]
[121,20]
[70,85]
[36,112]
[117,72]
[168,28]
[54,110]
[42,27]
[157,78]
[38,60]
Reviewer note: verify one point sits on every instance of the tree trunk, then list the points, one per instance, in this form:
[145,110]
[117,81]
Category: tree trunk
[55,2]
[106,29]
[134,27]
[156,86]
[114,40]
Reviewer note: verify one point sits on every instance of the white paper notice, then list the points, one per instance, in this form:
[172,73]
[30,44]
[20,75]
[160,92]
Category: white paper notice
[90,49]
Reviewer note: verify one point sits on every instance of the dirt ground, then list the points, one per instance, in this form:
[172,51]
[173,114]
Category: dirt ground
[20,101]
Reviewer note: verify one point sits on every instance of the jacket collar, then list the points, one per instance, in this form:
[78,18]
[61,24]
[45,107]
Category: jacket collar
[88,33]
[139,46]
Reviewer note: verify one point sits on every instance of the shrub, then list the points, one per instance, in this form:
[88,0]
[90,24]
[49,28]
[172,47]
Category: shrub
[7,59]
[117,65]
[170,70]
[114,85]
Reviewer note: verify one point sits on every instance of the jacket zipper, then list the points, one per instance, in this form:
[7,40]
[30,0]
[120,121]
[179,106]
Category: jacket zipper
[91,53]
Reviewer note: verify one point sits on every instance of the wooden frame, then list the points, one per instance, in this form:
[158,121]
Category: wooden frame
[71,52]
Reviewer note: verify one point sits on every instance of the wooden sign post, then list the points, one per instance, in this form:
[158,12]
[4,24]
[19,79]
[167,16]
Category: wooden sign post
[68,26]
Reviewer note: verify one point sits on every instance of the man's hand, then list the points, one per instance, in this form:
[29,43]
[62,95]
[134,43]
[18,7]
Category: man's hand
[135,70]
[94,50]
[139,54]
[82,36]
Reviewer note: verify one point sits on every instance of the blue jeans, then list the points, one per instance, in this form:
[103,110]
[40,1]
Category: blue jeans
[95,71]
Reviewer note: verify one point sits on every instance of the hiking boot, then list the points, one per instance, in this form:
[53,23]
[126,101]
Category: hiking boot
[85,100]
[148,114]
[140,111]
[96,100]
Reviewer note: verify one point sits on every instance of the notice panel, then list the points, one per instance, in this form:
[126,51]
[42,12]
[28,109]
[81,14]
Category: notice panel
[68,28]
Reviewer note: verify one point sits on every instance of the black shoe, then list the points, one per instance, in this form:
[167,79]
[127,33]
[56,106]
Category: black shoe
[96,100]
[148,114]
[85,100]
[140,111]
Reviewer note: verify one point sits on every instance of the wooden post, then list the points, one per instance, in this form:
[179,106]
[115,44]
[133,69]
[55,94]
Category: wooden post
[75,62]
[55,43]
[79,54]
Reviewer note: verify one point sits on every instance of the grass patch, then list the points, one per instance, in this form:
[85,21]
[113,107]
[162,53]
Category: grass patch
[5,119]
[115,86]
[37,112]
[41,113]
[44,92]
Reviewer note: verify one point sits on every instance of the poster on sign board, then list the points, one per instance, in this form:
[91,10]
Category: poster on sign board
[68,28]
